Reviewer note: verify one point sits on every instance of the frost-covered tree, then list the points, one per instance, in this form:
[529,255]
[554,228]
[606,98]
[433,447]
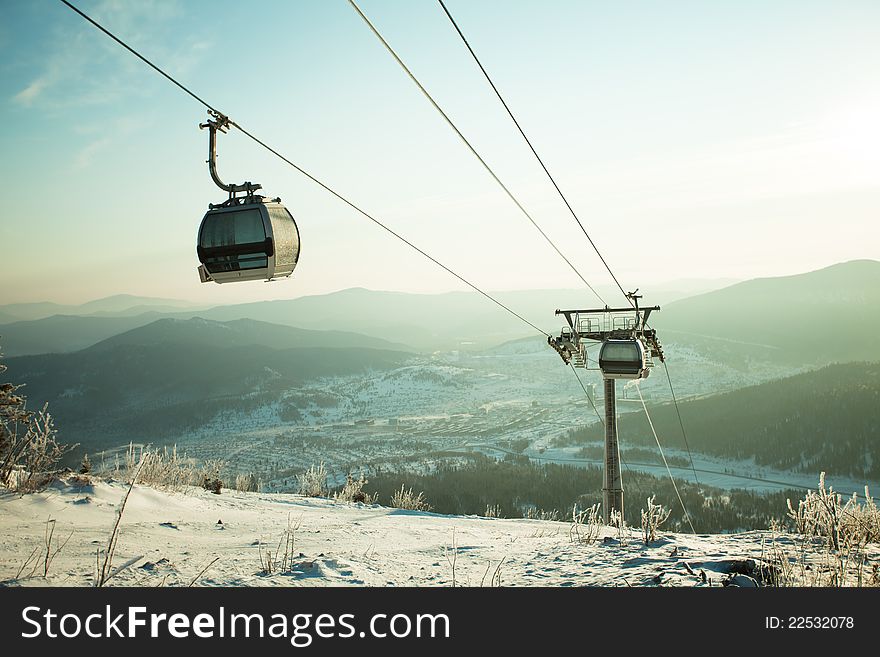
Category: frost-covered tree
[28,448]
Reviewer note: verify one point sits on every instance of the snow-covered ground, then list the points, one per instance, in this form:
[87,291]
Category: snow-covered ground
[170,537]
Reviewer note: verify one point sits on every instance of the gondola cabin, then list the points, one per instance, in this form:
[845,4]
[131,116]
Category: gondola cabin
[623,359]
[252,239]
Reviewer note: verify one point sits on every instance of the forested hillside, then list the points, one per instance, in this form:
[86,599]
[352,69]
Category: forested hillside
[827,419]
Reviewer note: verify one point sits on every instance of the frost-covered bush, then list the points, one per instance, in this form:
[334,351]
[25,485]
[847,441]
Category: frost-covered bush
[823,513]
[533,513]
[161,468]
[353,490]
[830,542]
[313,482]
[209,477]
[834,537]
[618,522]
[405,498]
[247,483]
[585,524]
[167,468]
[652,518]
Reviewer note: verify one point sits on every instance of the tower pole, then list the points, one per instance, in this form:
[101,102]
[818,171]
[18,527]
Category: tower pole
[612,488]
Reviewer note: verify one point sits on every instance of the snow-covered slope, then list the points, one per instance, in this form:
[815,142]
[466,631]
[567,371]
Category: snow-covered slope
[173,535]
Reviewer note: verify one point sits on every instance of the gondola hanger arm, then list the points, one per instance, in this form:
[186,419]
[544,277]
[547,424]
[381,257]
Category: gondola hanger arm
[220,122]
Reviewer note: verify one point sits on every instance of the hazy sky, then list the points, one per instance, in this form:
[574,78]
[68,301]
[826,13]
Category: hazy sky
[695,139]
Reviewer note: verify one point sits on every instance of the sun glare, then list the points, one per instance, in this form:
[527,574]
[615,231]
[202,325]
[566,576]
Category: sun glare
[856,131]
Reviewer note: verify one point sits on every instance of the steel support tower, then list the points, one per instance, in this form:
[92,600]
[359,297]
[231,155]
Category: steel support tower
[612,483]
[597,326]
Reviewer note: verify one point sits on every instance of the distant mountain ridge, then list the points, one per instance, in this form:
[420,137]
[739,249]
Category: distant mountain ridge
[64,333]
[117,304]
[69,333]
[177,374]
[824,316]
[805,319]
[198,331]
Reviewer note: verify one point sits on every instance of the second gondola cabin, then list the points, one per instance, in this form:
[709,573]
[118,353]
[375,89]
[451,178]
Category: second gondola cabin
[253,239]
[623,359]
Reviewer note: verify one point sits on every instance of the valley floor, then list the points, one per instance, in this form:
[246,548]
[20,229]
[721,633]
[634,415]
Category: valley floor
[172,536]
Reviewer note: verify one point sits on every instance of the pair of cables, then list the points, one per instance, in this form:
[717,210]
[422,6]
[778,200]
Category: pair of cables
[482,160]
